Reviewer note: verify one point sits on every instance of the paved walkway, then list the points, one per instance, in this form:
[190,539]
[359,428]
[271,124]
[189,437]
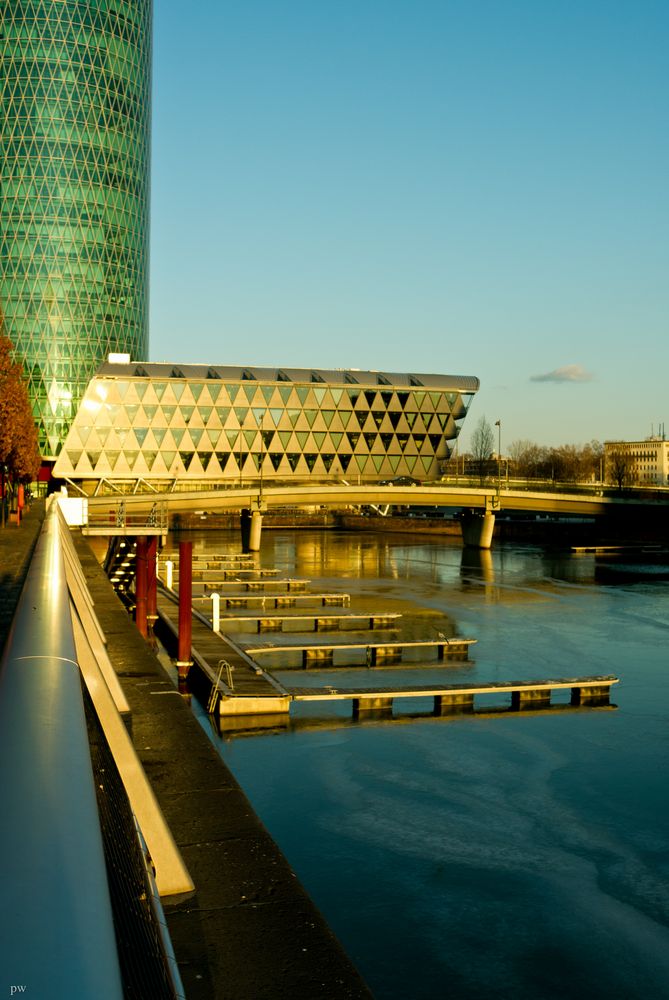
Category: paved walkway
[16,548]
[250,932]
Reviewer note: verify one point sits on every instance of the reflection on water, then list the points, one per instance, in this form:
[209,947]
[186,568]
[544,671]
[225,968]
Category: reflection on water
[498,855]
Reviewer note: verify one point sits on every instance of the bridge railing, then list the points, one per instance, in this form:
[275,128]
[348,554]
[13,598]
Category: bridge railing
[118,518]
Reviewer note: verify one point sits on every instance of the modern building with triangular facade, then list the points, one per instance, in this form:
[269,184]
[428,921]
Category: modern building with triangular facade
[165,424]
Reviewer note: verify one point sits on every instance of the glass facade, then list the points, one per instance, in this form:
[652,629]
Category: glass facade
[162,423]
[74,200]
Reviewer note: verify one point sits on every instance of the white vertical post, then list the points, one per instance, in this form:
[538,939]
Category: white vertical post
[216,612]
[169,568]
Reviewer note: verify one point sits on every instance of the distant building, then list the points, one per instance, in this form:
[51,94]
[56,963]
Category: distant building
[643,463]
[74,194]
[163,423]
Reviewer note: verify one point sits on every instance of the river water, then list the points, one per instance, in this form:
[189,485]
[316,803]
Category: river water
[509,855]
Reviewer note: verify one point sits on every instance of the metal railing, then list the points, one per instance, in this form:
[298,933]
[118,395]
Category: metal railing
[56,929]
[61,913]
[119,518]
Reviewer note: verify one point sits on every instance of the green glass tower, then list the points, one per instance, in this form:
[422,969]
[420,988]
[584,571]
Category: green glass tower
[75,96]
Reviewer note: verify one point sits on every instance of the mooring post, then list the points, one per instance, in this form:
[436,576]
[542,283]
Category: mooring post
[216,612]
[169,573]
[141,584]
[185,608]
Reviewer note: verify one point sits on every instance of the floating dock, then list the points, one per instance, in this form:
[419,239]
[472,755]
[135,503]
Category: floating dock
[371,654]
[364,620]
[450,698]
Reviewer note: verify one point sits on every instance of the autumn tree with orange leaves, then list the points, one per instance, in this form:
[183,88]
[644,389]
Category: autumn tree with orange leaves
[19,452]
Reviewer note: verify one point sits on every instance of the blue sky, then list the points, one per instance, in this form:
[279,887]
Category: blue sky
[470,187]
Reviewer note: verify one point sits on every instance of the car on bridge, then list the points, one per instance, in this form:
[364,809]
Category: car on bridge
[401,481]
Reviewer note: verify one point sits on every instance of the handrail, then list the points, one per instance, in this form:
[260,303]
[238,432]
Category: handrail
[56,929]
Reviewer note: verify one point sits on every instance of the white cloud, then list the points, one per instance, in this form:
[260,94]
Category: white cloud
[568,373]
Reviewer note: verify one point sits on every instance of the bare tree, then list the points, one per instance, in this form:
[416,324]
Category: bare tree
[527,458]
[619,468]
[482,444]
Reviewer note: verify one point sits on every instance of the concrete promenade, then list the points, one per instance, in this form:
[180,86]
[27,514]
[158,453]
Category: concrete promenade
[250,931]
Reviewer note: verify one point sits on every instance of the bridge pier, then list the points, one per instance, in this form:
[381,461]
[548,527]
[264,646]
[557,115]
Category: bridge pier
[251,529]
[477,528]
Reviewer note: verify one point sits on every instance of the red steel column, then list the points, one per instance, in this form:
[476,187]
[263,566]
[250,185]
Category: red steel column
[185,607]
[151,581]
[141,585]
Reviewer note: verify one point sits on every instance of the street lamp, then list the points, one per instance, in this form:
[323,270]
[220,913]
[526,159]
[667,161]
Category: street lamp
[498,425]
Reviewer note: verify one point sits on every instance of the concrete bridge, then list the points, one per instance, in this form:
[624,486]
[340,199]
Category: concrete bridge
[112,514]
